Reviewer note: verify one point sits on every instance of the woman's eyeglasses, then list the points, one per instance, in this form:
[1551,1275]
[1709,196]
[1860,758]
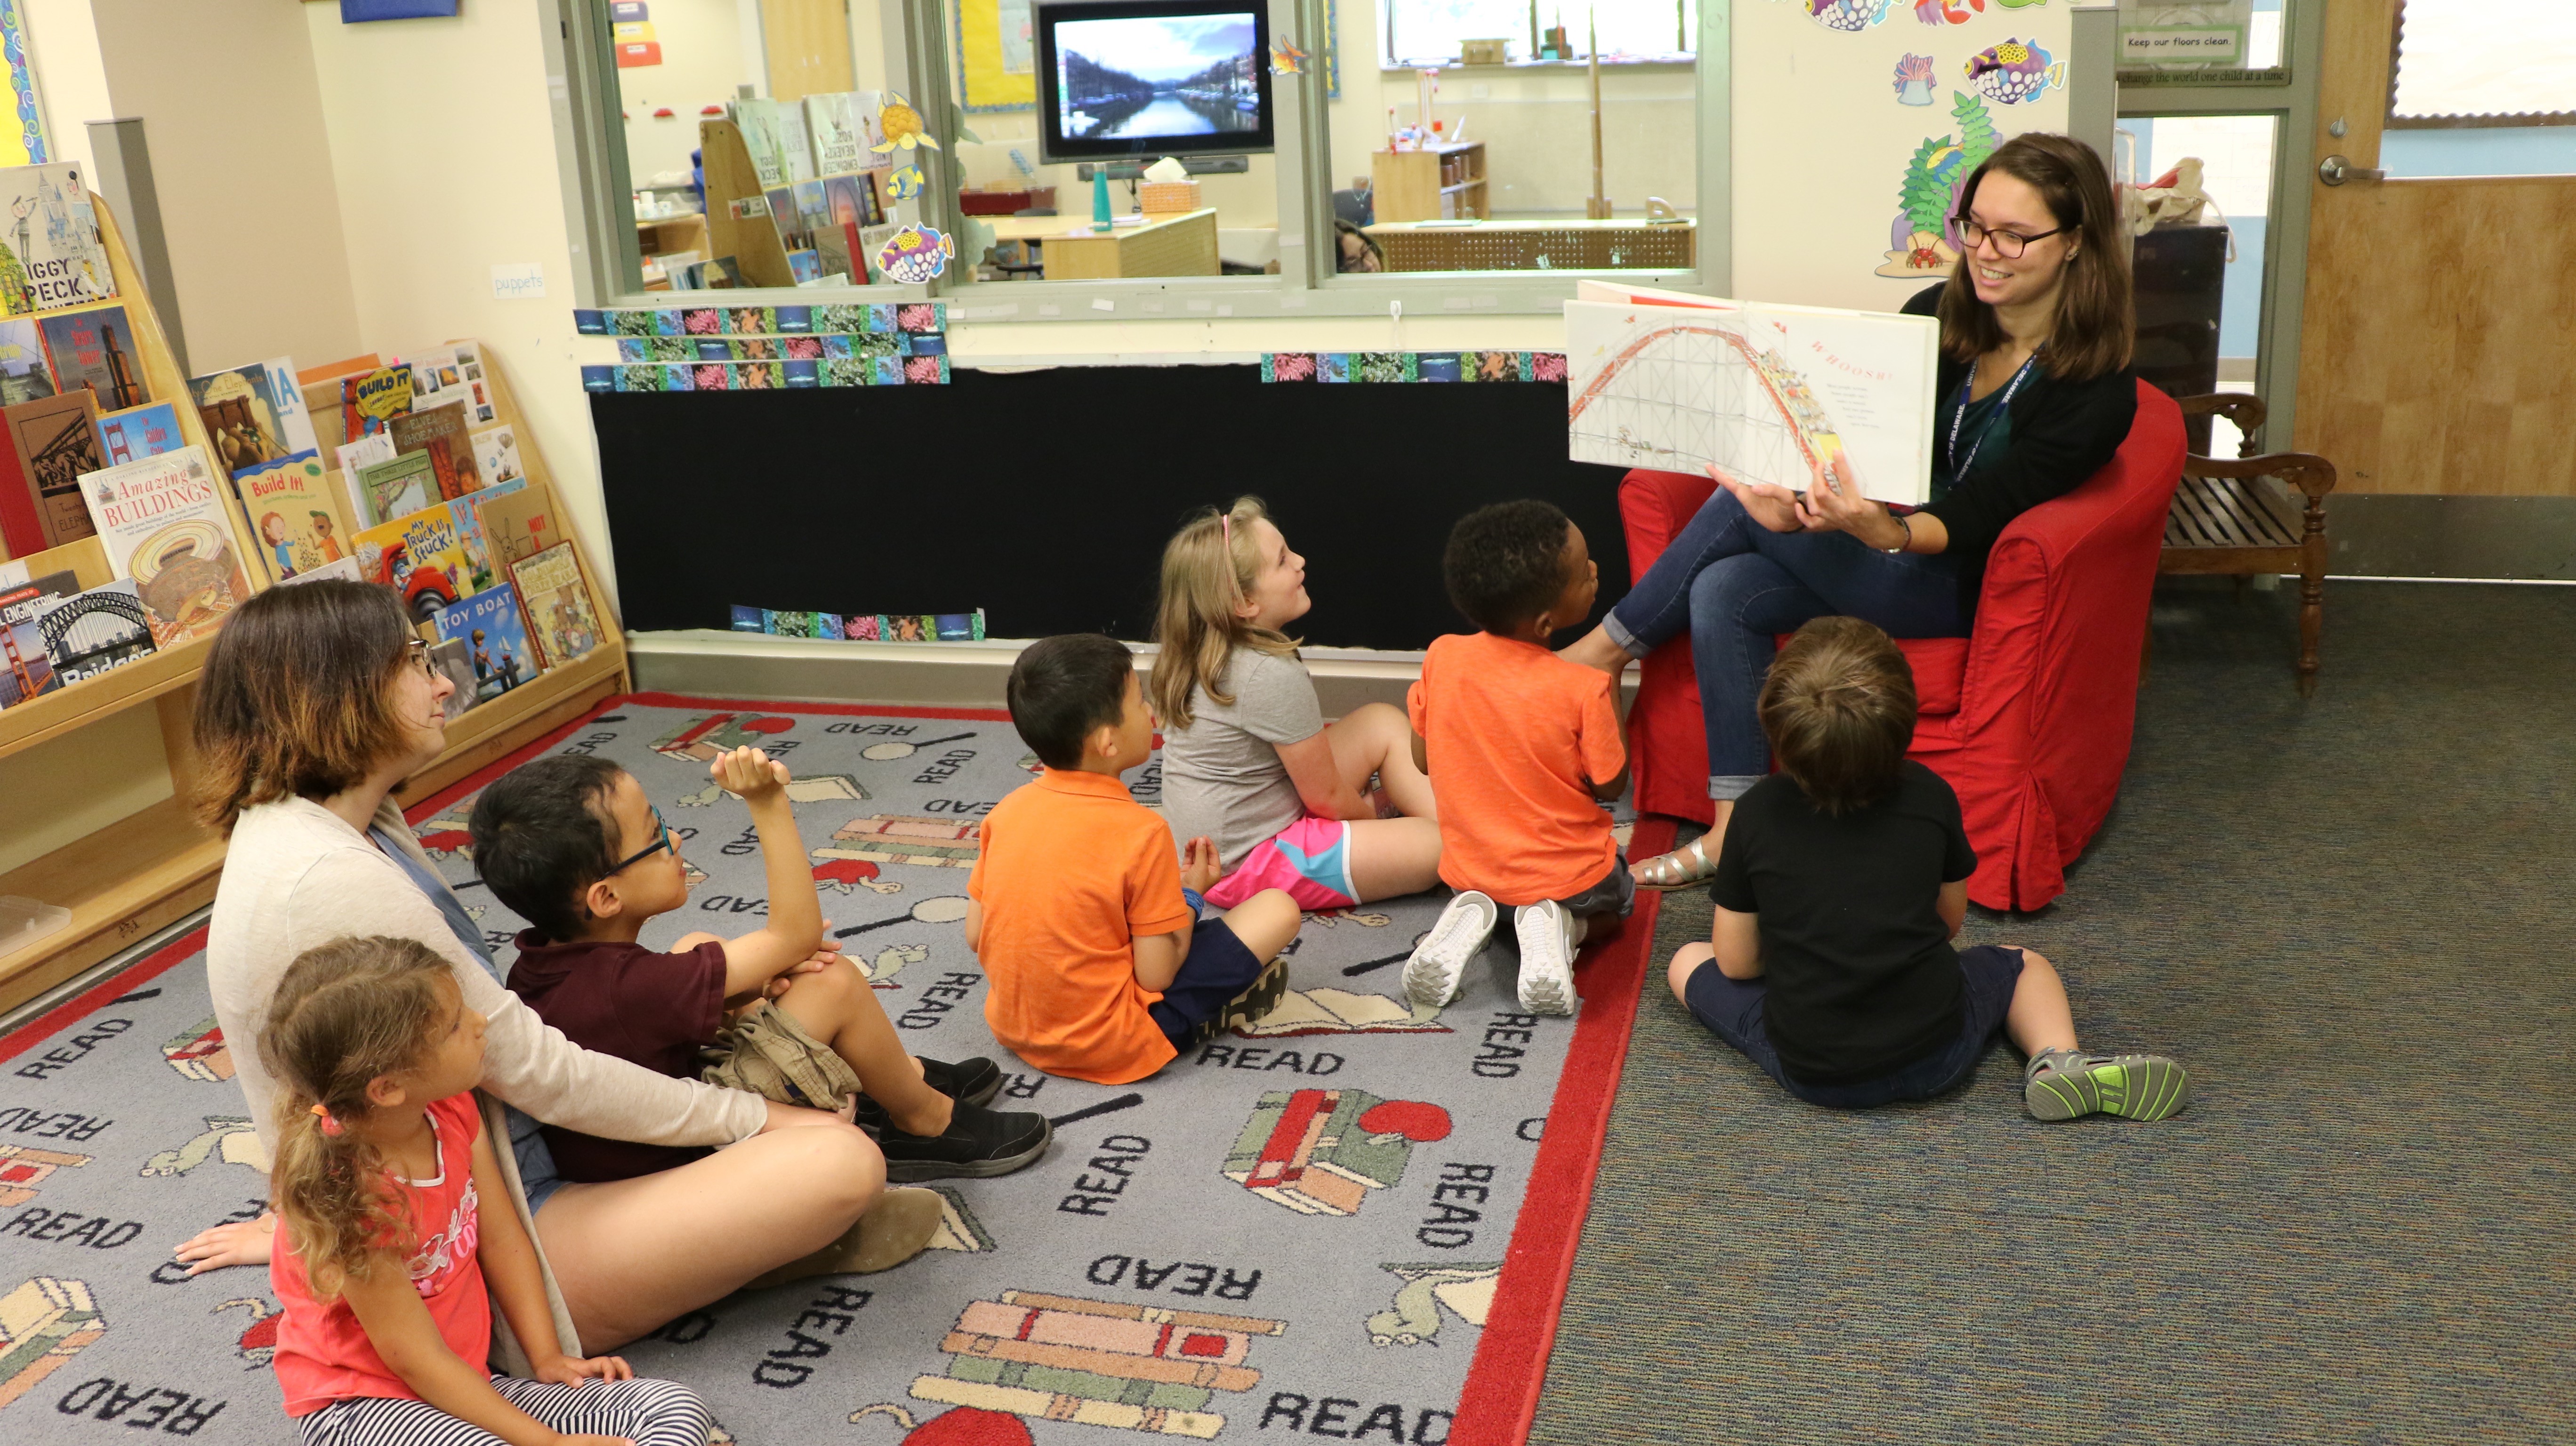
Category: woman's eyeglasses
[661,841]
[2008,244]
[416,651]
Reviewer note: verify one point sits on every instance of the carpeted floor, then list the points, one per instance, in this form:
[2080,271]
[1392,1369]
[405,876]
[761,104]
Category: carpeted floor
[1314,1213]
[2349,917]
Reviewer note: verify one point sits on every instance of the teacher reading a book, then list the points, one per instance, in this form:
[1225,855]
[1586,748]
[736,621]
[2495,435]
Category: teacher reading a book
[318,700]
[2035,393]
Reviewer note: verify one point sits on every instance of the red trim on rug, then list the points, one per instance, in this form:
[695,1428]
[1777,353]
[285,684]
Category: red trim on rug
[124,981]
[1510,1368]
[430,807]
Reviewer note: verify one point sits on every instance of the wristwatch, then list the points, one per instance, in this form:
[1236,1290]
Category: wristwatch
[1908,543]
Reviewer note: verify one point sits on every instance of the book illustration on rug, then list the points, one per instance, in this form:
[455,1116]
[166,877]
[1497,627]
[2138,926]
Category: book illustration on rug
[562,617]
[1319,1152]
[54,445]
[1338,1011]
[1098,1363]
[895,839]
[94,631]
[200,1053]
[94,350]
[295,512]
[1413,1317]
[888,752]
[258,1340]
[489,622]
[1365,919]
[938,909]
[709,734]
[50,255]
[228,1137]
[138,432]
[890,961]
[843,875]
[164,523]
[959,1230]
[44,1322]
[24,1167]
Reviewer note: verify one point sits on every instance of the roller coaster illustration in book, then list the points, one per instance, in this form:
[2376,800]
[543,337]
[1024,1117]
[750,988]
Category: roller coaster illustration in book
[1673,382]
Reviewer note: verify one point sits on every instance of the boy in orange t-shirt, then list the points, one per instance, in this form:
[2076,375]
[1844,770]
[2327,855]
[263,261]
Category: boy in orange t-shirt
[1097,964]
[1522,747]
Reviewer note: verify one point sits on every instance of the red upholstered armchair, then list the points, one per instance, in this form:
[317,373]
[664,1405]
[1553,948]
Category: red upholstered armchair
[2029,719]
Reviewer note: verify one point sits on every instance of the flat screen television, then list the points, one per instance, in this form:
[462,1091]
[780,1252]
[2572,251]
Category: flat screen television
[1139,79]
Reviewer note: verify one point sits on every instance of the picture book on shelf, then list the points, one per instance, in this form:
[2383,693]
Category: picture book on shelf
[253,414]
[488,624]
[95,349]
[138,432]
[453,658]
[96,630]
[165,523]
[496,455]
[364,452]
[440,432]
[370,400]
[23,374]
[520,524]
[25,669]
[561,616]
[341,569]
[447,374]
[841,127]
[294,511]
[434,557]
[53,443]
[396,488]
[50,252]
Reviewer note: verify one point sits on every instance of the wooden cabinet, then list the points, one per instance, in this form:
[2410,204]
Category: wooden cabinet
[1443,183]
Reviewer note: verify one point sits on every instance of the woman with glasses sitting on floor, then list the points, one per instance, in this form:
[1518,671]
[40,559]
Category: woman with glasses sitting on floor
[316,703]
[2035,394]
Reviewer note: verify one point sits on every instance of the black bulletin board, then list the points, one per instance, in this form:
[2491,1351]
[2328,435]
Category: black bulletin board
[1045,497]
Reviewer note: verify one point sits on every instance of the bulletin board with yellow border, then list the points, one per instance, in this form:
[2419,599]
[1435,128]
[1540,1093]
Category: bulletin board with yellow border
[22,125]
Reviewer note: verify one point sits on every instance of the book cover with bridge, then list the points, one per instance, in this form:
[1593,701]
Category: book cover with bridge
[1673,382]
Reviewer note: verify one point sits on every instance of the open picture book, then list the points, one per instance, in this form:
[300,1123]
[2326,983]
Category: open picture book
[1673,382]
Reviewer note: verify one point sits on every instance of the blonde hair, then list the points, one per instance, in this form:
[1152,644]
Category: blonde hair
[1208,568]
[344,1014]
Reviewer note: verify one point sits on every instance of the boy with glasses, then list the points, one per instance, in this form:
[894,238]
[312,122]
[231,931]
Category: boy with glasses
[571,843]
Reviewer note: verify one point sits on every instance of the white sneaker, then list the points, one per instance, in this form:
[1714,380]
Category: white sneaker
[1432,976]
[1548,938]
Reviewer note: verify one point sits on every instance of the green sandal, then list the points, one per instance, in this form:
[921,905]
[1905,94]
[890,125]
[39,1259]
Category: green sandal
[1683,867]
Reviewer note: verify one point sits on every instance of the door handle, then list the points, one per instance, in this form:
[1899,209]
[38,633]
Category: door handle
[2335,170]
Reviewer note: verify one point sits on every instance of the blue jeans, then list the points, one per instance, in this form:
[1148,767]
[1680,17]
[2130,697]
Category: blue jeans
[1736,584]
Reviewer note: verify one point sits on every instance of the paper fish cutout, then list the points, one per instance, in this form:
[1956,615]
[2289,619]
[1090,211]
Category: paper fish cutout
[901,126]
[1942,12]
[1847,15]
[915,254]
[1914,80]
[1286,59]
[905,182]
[2014,71]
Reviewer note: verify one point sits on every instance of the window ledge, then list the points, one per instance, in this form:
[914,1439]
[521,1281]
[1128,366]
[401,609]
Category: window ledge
[1608,62]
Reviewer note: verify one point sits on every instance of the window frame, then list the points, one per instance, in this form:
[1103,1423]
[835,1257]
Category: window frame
[583,86]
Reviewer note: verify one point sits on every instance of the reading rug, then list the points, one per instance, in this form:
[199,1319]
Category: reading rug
[1354,1220]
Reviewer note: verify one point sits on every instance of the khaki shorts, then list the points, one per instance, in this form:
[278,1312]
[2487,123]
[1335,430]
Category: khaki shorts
[765,1051]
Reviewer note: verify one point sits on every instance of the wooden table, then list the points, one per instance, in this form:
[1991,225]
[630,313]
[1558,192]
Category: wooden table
[1183,244]
[1538,245]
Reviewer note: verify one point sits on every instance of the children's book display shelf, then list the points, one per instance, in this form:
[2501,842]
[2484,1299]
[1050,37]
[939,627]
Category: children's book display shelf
[152,868]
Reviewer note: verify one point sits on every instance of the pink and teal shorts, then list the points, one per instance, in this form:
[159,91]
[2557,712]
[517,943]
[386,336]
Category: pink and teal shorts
[1310,858]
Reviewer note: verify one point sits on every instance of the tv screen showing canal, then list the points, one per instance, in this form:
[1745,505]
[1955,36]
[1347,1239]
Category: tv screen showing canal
[1148,78]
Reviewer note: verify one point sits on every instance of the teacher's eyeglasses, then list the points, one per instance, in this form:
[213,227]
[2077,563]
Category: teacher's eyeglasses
[2008,244]
[416,651]
[662,840]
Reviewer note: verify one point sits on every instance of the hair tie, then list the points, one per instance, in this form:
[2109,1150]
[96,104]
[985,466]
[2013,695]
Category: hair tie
[330,1126]
[1226,521]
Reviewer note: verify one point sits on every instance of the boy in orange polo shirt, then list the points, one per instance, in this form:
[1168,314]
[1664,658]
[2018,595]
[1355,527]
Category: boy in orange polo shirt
[1097,964]
[1522,747]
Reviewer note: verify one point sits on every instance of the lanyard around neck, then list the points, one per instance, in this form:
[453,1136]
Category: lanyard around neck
[1958,469]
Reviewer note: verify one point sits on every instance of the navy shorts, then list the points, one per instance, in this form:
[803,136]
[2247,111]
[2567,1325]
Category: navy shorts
[1218,969]
[1615,895]
[1732,1010]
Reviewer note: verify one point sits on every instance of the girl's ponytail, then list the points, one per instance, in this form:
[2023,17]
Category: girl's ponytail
[344,1014]
[1208,568]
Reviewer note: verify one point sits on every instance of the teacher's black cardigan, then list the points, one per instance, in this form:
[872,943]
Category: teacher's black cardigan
[2062,433]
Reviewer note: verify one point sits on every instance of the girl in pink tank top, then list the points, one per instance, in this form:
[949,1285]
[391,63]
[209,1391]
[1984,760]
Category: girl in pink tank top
[384,1256]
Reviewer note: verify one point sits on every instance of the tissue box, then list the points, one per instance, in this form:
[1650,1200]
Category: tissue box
[1163,198]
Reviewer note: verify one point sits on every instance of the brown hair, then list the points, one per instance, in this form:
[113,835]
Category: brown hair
[2094,330]
[344,1014]
[1208,568]
[295,700]
[1839,711]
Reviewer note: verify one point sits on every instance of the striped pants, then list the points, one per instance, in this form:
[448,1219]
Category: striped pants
[648,1413]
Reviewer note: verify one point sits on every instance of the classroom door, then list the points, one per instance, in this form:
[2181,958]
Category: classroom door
[2440,322]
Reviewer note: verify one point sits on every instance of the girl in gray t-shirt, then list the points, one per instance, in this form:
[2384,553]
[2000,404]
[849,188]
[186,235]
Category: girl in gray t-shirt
[1248,761]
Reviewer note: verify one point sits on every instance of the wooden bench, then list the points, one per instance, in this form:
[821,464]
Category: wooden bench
[2226,520]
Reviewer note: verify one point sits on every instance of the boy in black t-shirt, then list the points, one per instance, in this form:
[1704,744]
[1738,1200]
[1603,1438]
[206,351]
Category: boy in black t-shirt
[1840,884]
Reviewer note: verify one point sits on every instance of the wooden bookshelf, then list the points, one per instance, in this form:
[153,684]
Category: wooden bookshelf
[150,869]
[1437,183]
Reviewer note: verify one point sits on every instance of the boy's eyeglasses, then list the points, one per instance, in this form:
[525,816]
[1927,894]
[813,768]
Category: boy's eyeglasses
[661,842]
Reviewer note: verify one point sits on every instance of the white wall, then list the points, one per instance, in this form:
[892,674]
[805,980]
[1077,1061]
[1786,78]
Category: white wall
[702,62]
[71,75]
